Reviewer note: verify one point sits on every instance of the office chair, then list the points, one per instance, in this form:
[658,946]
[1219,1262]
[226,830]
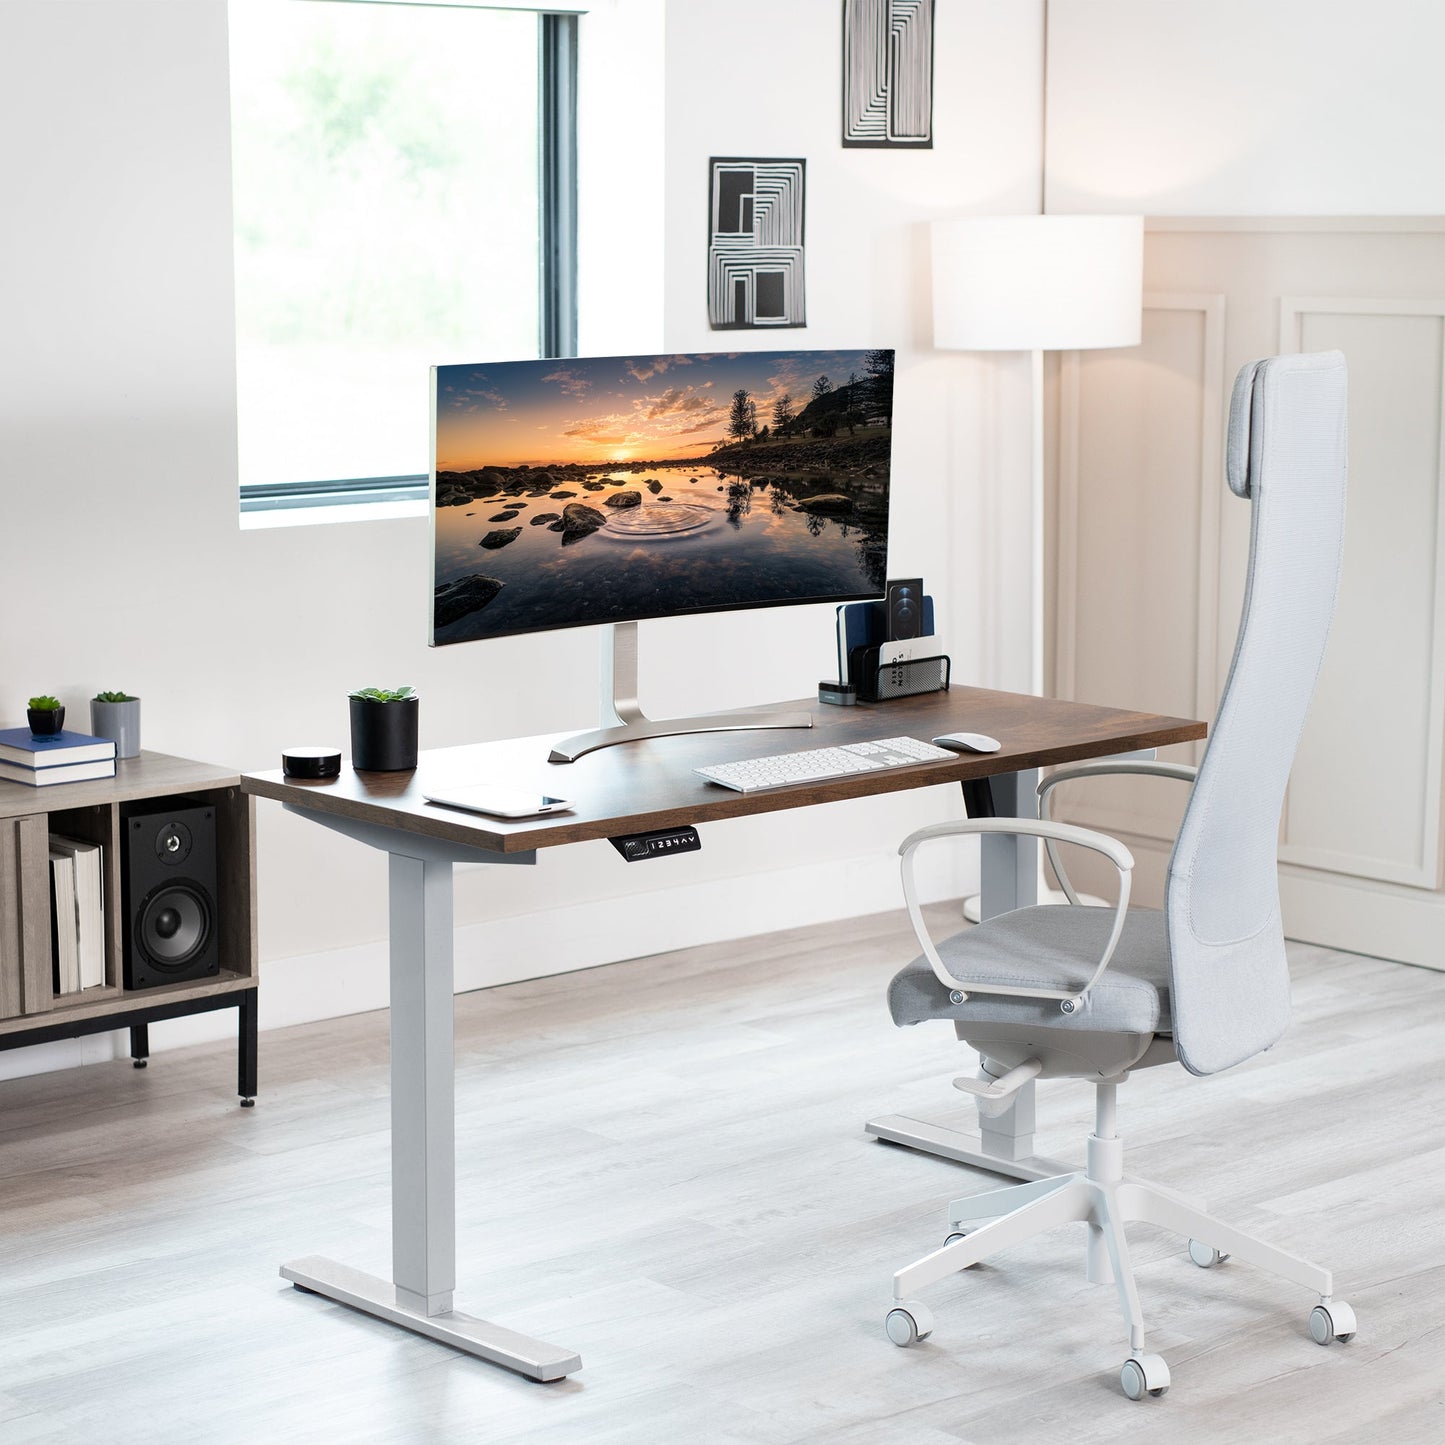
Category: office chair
[1094,993]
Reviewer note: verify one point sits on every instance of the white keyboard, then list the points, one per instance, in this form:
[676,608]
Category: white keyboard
[753,774]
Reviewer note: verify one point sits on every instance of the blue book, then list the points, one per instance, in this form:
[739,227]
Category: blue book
[20,745]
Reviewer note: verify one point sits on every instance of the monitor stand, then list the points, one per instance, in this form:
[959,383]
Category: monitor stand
[623,721]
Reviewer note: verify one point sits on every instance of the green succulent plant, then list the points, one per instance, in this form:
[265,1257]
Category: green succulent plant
[116,697]
[383,694]
[44,703]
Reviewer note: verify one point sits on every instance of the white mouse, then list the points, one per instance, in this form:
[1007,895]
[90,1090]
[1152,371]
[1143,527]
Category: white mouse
[968,742]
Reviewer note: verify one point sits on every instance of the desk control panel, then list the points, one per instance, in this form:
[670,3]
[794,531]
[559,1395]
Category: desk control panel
[634,847]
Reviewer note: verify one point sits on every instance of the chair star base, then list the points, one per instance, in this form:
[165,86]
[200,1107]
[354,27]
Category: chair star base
[1105,1199]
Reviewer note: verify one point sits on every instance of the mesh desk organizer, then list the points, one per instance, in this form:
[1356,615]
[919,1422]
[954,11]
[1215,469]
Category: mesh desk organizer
[879,681]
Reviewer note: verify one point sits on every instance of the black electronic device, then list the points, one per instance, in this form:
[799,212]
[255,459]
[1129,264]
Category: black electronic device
[840,694]
[660,843]
[169,887]
[904,609]
[311,762]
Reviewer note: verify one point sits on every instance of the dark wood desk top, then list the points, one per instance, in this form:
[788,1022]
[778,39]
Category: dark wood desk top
[650,784]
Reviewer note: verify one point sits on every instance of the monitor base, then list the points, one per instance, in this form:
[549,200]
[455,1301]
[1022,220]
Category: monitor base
[570,749]
[623,720]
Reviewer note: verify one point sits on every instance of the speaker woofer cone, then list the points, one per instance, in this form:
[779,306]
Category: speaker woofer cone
[174,925]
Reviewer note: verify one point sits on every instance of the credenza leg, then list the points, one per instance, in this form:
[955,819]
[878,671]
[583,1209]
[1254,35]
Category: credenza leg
[140,1045]
[246,1049]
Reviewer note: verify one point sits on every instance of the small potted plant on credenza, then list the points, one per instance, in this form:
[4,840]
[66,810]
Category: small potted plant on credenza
[384,729]
[117,715]
[45,716]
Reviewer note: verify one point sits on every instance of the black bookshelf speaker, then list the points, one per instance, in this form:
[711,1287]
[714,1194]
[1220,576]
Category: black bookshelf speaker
[168,879]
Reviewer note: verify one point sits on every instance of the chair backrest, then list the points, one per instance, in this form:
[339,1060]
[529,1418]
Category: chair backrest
[1286,454]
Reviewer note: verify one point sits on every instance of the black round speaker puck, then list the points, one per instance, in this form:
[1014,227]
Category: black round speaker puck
[313,762]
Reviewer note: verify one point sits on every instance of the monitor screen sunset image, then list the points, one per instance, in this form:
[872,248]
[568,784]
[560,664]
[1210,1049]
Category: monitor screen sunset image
[611,489]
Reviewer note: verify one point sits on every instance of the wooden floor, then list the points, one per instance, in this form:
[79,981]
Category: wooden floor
[662,1165]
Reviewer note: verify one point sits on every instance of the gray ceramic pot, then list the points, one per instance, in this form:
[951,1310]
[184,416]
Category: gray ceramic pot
[118,720]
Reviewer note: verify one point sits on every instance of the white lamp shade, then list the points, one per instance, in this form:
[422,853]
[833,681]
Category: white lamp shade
[1037,283]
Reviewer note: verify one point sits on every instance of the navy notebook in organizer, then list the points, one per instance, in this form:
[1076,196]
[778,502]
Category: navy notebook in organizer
[865,624]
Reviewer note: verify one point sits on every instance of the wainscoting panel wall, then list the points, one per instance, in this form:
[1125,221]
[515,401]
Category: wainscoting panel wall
[1384,674]
[1153,414]
[1151,552]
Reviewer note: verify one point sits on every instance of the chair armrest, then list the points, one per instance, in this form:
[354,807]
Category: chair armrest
[1111,848]
[1180,772]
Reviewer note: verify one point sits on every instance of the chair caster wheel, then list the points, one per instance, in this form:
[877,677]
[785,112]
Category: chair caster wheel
[954,1235]
[1205,1255]
[908,1322]
[1144,1375]
[1334,1321]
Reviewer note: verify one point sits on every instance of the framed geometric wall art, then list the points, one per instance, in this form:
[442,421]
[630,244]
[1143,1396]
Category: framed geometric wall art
[888,73]
[755,243]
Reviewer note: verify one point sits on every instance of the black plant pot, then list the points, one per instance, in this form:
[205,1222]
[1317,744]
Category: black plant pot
[383,734]
[45,722]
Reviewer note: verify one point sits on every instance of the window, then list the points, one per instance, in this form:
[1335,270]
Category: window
[403,198]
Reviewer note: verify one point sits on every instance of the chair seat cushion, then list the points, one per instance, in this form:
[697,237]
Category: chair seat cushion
[1047,947]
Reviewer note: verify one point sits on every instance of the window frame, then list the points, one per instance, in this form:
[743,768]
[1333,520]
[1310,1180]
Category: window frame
[556,278]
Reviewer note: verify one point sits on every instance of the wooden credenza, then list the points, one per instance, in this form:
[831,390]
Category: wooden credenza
[30,1011]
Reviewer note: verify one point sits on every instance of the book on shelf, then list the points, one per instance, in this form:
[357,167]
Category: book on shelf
[89,907]
[64,926]
[46,776]
[20,745]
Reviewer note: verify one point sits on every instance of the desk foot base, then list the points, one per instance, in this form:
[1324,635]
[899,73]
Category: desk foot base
[493,1343]
[961,1148]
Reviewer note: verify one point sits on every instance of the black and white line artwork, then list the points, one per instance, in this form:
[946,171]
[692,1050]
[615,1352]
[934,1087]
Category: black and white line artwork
[888,73]
[754,243]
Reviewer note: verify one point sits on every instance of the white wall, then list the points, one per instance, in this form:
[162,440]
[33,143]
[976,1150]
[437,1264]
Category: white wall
[1247,107]
[124,565]
[117,424]
[960,462]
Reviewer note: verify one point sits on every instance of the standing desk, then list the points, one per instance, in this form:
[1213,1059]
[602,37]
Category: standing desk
[632,788]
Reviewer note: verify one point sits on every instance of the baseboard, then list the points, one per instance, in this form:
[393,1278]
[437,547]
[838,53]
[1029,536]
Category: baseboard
[1380,920]
[306,988]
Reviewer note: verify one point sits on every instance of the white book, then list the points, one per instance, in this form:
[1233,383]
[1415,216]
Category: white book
[65,931]
[46,777]
[89,907]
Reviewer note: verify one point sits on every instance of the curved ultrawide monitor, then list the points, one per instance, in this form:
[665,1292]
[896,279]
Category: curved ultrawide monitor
[612,489]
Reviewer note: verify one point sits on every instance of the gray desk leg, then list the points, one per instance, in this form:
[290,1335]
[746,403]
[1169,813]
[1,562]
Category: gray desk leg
[1009,879]
[418,1297]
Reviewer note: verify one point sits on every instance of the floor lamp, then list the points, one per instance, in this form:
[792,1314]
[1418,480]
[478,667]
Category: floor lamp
[1036,284]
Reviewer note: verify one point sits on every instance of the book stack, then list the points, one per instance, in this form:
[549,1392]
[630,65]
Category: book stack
[77,914]
[63,757]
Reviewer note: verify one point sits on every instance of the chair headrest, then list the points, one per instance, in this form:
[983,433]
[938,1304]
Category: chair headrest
[1236,451]
[1247,404]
